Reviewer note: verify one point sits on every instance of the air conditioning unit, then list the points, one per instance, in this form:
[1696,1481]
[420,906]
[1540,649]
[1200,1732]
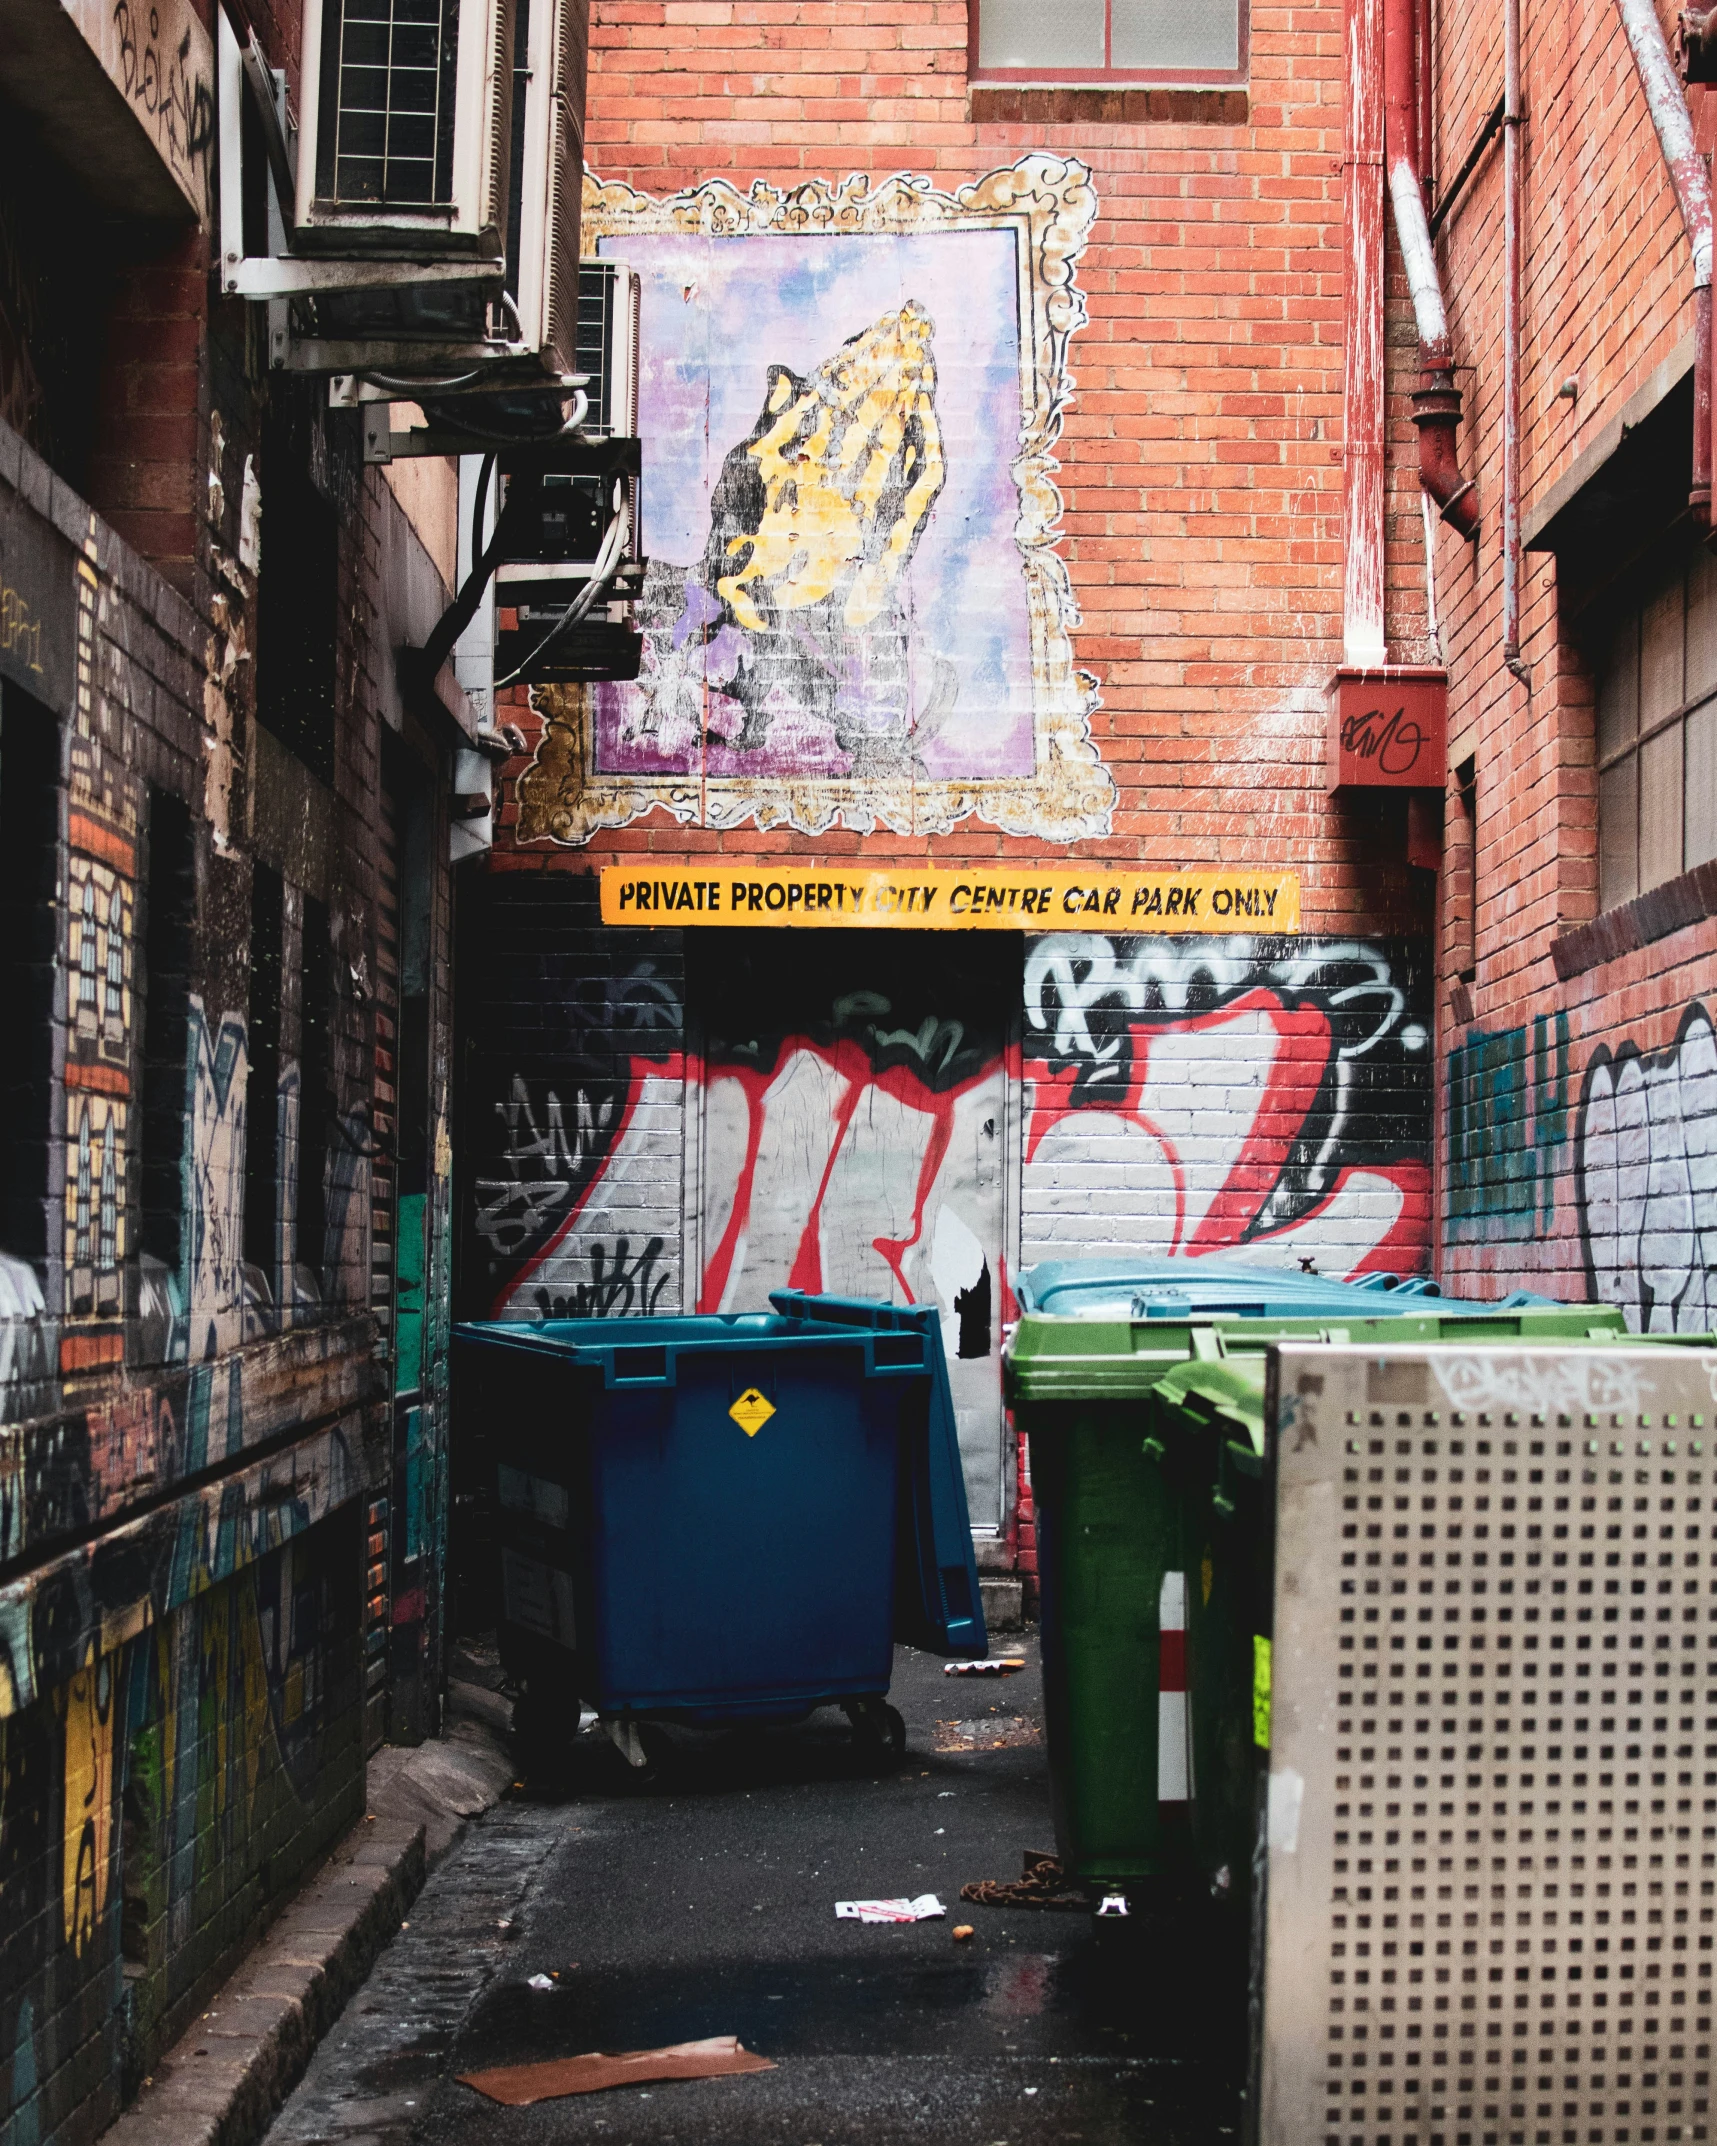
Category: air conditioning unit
[580,493]
[430,201]
[608,347]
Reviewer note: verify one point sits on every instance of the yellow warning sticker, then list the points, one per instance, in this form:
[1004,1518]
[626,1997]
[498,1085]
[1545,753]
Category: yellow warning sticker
[1260,1691]
[751,1411]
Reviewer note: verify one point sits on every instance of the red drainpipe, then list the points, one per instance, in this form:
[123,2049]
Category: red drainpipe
[1437,400]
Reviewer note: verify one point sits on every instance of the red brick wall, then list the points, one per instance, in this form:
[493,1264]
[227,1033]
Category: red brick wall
[1606,298]
[1200,462]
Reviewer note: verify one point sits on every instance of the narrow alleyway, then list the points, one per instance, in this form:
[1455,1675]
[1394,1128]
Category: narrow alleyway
[707,1907]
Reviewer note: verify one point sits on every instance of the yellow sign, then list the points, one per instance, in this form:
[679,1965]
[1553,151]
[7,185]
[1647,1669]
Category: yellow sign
[751,1411]
[984,898]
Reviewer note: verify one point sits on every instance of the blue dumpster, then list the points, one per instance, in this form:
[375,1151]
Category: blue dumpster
[701,1519]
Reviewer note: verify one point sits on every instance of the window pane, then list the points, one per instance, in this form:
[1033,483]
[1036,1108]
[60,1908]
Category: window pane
[1027,33]
[1660,808]
[1618,690]
[1700,804]
[1701,626]
[1176,33]
[1618,834]
[1660,640]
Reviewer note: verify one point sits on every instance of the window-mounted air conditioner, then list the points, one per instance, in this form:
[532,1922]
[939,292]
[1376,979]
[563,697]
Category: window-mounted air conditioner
[431,199]
[405,133]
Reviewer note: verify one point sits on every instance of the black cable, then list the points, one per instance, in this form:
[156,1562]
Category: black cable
[463,609]
[580,607]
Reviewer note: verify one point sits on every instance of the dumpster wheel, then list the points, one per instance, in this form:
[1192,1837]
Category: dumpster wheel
[879,1732]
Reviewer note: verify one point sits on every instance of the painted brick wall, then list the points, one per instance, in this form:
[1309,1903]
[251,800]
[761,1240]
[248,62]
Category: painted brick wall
[151,1806]
[1574,1108]
[1189,1097]
[571,1094]
[1199,458]
[152,1636]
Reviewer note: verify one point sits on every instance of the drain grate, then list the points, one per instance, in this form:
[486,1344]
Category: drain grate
[1493,1795]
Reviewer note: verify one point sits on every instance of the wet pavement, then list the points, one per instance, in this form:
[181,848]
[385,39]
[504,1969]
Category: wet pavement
[705,1905]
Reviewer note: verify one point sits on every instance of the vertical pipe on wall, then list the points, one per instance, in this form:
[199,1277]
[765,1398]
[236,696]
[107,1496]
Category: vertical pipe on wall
[1511,123]
[1691,179]
[1436,400]
[1362,391]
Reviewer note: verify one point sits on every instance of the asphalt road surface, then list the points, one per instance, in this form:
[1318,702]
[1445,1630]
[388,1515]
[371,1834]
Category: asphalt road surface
[707,1906]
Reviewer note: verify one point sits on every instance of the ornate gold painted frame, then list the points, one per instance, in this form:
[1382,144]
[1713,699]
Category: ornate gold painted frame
[1051,204]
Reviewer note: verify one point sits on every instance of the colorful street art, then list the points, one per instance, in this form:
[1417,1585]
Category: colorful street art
[149,1794]
[1646,1170]
[854,611]
[1263,1096]
[868,1119]
[1508,1123]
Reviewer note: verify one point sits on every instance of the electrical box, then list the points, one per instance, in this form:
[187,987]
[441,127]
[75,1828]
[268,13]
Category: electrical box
[1388,728]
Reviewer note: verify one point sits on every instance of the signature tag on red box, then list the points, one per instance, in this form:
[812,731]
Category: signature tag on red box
[1388,728]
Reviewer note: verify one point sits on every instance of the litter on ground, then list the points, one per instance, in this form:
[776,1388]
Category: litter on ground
[996,1666]
[518,2085]
[1042,1884]
[919,1910]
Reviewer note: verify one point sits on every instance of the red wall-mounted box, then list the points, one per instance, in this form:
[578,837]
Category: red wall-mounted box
[1388,728]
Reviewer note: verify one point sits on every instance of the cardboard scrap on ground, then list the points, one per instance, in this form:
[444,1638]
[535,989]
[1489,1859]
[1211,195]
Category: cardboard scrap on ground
[518,2085]
[919,1910]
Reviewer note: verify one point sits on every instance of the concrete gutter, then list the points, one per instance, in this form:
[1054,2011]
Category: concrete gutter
[222,2083]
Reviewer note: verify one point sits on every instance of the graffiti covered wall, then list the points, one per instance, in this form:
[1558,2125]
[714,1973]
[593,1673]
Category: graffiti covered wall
[206,1065]
[855,612]
[1646,1178]
[152,1797]
[1582,1160]
[1270,1096]
[667,1121]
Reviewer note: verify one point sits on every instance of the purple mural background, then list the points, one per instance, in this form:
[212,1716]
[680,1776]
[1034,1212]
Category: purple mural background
[942,677]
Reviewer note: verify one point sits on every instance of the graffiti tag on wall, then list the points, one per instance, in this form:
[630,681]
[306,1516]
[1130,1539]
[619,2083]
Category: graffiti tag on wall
[1646,1166]
[1263,1095]
[575,1190]
[1508,1121]
[854,611]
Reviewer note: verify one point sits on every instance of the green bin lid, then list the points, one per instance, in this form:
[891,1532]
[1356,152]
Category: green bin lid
[1120,1358]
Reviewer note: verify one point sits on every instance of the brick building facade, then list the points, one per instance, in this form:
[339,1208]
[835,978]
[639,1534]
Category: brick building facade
[226,1164]
[994,495]
[1575,1032]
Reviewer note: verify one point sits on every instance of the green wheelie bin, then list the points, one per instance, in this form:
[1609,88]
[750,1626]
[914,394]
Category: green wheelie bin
[1144,1419]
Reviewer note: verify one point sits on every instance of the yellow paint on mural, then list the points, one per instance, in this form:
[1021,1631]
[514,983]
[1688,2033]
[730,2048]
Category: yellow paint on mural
[850,464]
[87,1710]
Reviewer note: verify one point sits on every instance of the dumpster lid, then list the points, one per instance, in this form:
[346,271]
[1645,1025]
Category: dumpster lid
[1226,1396]
[944,1611]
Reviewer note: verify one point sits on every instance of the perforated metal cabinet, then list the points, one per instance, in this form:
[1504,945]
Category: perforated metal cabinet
[1493,1766]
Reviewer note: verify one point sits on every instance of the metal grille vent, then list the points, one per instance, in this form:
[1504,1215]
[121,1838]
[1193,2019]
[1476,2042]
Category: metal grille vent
[1493,1800]
[393,139]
